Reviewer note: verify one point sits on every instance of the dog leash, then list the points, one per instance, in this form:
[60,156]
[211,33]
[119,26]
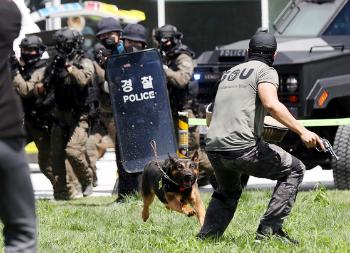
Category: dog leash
[154,147]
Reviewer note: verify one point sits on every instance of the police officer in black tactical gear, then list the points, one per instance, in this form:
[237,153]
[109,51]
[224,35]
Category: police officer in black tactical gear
[134,37]
[109,32]
[178,67]
[37,110]
[178,63]
[235,148]
[72,73]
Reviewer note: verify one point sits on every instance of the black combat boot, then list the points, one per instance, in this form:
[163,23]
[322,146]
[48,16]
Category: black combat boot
[266,232]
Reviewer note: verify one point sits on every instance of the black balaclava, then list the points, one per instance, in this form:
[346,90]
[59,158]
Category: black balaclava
[30,59]
[262,47]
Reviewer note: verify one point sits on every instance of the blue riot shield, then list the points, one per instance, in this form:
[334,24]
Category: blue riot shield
[141,108]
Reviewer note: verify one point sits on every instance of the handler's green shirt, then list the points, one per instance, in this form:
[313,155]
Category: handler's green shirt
[238,115]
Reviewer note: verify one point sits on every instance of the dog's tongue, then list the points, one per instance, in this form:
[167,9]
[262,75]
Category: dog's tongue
[187,183]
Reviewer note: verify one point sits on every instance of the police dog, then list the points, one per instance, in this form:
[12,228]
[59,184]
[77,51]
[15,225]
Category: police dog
[174,181]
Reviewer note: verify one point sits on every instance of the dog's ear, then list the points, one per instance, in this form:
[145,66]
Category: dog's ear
[195,157]
[171,159]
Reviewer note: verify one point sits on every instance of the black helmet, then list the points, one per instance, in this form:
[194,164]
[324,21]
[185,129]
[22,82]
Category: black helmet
[167,38]
[106,25]
[168,32]
[65,41]
[135,32]
[32,42]
[263,42]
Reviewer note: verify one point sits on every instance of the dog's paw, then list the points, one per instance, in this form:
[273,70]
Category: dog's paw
[189,212]
[145,215]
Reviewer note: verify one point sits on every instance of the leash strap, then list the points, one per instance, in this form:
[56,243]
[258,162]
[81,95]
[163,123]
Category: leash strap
[154,147]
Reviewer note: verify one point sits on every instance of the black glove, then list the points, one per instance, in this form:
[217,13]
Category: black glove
[102,55]
[14,64]
[60,61]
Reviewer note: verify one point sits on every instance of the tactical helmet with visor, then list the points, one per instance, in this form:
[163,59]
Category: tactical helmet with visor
[167,37]
[32,48]
[65,41]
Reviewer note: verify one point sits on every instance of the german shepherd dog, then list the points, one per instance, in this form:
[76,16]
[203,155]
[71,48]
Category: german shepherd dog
[174,181]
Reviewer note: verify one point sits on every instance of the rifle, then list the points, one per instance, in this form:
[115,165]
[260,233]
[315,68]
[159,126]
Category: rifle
[102,55]
[46,102]
[15,65]
[327,148]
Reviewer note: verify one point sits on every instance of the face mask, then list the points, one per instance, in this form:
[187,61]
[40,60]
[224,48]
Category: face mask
[109,43]
[266,58]
[166,45]
[30,58]
[88,43]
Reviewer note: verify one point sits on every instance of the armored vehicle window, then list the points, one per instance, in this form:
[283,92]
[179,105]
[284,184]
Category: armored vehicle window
[341,24]
[310,19]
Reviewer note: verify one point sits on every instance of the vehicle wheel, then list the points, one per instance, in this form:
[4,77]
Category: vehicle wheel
[341,168]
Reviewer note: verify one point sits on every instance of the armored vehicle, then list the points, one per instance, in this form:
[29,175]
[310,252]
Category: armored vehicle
[313,62]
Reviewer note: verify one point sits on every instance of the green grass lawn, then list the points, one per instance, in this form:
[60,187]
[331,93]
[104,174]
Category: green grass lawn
[320,220]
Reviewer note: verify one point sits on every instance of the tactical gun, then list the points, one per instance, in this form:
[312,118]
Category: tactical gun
[58,63]
[47,101]
[102,55]
[327,148]
[44,104]
[15,65]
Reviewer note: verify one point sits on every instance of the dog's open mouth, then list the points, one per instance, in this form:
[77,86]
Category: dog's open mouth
[187,181]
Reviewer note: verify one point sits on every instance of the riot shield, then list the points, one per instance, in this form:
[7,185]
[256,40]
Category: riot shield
[141,108]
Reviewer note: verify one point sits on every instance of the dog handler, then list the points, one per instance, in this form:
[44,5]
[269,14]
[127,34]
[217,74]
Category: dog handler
[234,145]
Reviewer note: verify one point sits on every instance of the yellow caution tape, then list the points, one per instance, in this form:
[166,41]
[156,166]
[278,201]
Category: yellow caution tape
[305,122]
[325,122]
[197,122]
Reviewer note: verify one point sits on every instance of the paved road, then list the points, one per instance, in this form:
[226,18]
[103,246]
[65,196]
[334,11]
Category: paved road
[106,172]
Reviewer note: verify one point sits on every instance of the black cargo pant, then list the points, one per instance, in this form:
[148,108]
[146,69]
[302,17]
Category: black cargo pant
[264,161]
[17,207]
[41,138]
[128,183]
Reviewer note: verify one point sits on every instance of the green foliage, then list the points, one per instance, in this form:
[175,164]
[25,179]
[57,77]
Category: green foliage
[320,220]
[320,195]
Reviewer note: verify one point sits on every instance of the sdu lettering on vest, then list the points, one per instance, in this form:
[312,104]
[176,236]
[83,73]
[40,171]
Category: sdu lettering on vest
[244,74]
[139,97]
